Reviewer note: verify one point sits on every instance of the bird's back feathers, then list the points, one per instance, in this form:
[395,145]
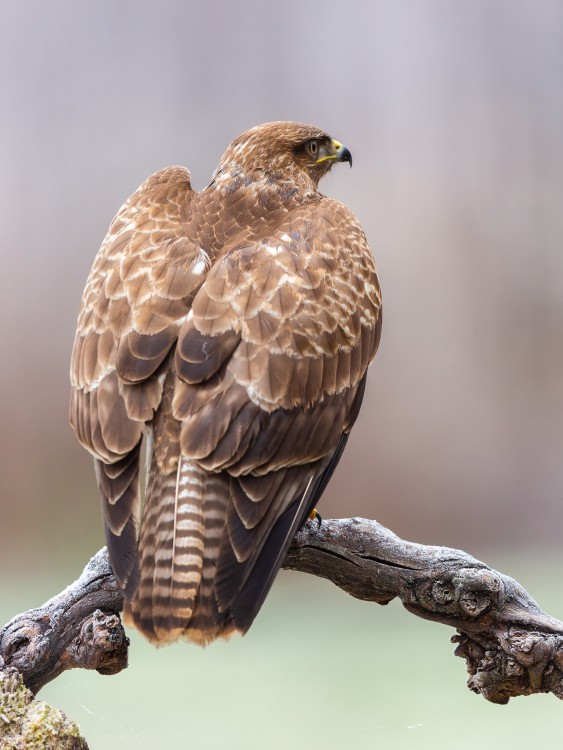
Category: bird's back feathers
[233,327]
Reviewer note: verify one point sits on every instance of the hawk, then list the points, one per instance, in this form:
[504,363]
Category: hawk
[226,335]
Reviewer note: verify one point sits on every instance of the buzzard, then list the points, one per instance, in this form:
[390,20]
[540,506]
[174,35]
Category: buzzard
[225,334]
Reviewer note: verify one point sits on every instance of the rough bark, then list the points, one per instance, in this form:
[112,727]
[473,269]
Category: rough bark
[80,627]
[510,646]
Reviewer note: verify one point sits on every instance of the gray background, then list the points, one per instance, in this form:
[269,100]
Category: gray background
[453,111]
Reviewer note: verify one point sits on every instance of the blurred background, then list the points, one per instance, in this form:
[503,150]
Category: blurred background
[453,110]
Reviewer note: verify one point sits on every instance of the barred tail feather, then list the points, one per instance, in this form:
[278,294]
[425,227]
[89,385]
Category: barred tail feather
[207,622]
[171,544]
[209,553]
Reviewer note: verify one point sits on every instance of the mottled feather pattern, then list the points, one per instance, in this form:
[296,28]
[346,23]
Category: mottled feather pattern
[232,328]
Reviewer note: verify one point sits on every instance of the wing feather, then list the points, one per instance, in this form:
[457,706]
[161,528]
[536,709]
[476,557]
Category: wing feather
[138,292]
[249,368]
[272,367]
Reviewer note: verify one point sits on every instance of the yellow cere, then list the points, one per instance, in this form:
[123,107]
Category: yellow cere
[337,146]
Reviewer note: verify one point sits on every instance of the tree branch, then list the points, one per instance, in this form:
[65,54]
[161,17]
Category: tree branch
[511,647]
[80,627]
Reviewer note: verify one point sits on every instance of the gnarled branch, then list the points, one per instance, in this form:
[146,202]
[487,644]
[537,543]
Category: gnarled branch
[80,627]
[511,647]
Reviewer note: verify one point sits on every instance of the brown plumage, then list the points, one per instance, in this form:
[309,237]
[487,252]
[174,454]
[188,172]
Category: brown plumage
[232,329]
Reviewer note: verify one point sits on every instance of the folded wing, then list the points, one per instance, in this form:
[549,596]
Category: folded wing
[271,367]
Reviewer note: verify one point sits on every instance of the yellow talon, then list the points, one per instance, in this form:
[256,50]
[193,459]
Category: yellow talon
[315,515]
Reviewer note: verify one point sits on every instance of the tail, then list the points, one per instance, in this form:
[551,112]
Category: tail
[171,553]
[203,573]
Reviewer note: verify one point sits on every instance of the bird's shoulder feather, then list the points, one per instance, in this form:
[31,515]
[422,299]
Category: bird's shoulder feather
[138,292]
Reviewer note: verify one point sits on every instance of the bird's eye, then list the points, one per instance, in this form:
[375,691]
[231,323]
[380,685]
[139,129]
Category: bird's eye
[312,148]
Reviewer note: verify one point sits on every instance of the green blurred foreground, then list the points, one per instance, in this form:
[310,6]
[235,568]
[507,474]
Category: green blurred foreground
[318,670]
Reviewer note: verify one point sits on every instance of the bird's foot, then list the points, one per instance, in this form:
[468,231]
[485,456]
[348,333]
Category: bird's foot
[314,515]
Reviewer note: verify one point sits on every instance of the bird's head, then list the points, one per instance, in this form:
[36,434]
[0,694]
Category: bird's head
[289,149]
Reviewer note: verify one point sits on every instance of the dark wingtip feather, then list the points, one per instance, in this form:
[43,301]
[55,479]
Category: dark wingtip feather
[251,597]
[124,558]
[119,488]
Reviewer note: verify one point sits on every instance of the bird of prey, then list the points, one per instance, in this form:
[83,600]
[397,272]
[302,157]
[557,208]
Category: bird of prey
[228,333]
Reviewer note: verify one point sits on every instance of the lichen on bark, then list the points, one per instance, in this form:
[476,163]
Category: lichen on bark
[27,724]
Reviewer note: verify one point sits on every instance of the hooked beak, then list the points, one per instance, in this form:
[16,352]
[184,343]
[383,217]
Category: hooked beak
[341,153]
[337,152]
